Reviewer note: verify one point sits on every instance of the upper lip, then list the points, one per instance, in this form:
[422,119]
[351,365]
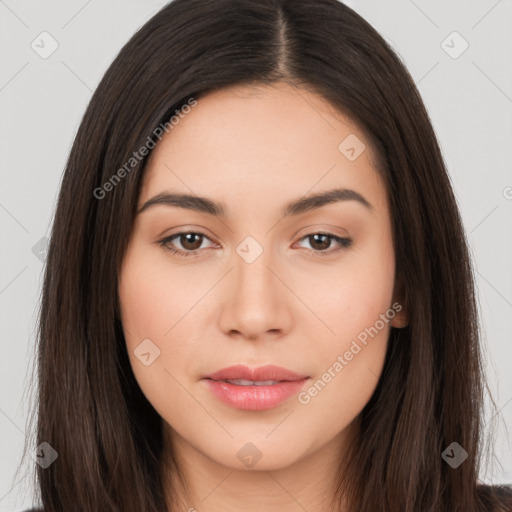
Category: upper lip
[268,372]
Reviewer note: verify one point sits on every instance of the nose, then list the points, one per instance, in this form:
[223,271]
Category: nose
[257,302]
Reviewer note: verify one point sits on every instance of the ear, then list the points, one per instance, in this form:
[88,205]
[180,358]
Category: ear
[401,318]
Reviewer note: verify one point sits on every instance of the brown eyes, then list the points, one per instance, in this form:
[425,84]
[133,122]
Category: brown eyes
[324,241]
[191,242]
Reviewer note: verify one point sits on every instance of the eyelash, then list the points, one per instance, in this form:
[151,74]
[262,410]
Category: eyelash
[344,243]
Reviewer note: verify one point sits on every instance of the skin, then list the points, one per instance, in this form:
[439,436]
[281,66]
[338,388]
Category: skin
[255,150]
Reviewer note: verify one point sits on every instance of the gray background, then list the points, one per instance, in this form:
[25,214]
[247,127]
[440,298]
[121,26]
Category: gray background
[468,97]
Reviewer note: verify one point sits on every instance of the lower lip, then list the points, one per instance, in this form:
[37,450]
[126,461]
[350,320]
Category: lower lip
[254,398]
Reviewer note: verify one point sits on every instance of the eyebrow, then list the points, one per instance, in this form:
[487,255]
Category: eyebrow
[218,209]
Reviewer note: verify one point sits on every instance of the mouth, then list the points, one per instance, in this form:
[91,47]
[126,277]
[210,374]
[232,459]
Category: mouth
[254,389]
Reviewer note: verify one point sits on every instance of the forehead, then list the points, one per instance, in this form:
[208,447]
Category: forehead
[265,142]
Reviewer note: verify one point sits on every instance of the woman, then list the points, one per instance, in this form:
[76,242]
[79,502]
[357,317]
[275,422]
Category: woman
[258,292]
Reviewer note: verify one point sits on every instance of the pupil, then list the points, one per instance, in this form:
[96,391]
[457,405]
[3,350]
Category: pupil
[324,245]
[189,241]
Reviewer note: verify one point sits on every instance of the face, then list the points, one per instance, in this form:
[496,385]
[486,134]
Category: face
[271,280]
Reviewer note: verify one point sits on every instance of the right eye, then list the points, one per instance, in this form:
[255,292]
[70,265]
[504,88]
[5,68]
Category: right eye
[190,241]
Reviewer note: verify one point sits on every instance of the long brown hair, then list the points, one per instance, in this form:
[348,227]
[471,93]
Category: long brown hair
[90,407]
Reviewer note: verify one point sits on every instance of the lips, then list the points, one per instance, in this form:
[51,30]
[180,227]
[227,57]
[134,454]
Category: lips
[254,389]
[261,374]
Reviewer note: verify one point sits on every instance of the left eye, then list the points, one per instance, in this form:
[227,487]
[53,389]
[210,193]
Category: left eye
[324,240]
[191,242]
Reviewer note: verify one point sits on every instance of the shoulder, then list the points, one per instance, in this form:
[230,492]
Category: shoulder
[496,498]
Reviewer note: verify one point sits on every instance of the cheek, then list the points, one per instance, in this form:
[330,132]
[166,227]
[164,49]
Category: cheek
[358,310]
[161,303]
[152,297]
[148,304]
[356,296]
[349,364]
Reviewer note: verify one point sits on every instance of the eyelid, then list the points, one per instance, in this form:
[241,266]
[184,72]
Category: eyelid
[326,229]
